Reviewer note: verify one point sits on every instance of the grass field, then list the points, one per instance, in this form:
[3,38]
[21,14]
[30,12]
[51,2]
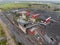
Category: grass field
[2,34]
[57,11]
[17,5]
[13,5]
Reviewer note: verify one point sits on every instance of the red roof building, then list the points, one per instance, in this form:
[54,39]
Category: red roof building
[28,13]
[48,20]
[32,31]
[35,16]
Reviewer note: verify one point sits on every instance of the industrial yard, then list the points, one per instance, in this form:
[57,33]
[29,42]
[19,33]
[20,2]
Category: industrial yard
[30,23]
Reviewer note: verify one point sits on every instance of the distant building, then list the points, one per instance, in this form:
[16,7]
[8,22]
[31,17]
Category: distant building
[41,6]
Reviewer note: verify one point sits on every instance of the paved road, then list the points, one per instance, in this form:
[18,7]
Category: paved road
[55,27]
[20,37]
[8,34]
[52,29]
[34,43]
[55,15]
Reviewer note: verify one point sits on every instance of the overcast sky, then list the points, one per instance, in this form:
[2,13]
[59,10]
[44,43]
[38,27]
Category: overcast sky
[29,0]
[40,0]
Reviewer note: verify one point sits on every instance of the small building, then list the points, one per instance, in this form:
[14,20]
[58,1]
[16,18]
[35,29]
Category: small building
[32,31]
[48,20]
[42,6]
[34,17]
[21,21]
[22,14]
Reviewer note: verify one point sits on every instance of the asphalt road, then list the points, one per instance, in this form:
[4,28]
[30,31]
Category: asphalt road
[20,37]
[53,29]
[55,15]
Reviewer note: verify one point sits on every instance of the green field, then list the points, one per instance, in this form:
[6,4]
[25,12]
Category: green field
[13,5]
[18,5]
[2,34]
[3,42]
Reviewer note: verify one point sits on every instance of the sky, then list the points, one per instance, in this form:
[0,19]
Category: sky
[28,0]
[40,0]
